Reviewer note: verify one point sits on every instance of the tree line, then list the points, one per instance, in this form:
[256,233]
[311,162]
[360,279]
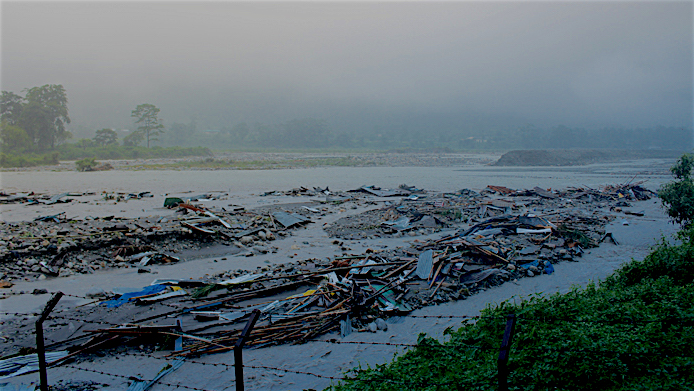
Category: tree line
[36,122]
[318,133]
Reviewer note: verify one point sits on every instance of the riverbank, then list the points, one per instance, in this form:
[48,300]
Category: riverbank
[223,160]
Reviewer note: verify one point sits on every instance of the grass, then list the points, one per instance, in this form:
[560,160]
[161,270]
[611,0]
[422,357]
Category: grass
[73,152]
[117,152]
[8,160]
[629,332]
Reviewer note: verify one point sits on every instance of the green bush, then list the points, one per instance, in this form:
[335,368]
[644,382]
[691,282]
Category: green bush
[9,160]
[110,152]
[114,152]
[673,262]
[678,196]
[86,164]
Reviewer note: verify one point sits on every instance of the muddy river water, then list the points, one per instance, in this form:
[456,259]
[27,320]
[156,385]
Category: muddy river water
[655,171]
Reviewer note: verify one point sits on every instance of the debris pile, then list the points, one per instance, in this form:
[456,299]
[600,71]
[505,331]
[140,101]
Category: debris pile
[423,213]
[58,246]
[355,293]
[492,236]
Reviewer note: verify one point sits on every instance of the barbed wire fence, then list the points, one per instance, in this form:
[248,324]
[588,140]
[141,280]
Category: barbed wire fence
[504,349]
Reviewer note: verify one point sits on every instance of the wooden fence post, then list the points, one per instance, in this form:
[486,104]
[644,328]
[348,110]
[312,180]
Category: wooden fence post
[238,347]
[40,348]
[504,351]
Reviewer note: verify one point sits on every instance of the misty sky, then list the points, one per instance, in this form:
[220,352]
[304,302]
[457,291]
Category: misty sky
[547,63]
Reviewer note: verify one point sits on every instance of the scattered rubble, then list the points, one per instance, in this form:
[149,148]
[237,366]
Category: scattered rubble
[492,236]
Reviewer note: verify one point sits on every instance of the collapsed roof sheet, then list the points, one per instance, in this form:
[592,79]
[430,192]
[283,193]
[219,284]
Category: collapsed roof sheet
[290,219]
[378,192]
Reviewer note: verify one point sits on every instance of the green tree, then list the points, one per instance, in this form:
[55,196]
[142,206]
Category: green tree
[678,196]
[133,139]
[45,115]
[148,121]
[11,107]
[13,138]
[84,143]
[106,137]
[36,121]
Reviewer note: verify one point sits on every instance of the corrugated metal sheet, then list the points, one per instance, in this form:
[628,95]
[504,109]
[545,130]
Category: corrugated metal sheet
[424,264]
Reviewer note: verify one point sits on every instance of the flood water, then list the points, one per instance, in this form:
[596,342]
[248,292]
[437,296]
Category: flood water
[653,171]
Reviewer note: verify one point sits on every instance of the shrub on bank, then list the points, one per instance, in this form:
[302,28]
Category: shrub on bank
[9,160]
[678,196]
[86,164]
[112,152]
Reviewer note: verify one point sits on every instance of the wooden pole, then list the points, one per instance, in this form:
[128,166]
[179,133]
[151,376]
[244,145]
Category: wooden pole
[502,362]
[40,348]
[238,348]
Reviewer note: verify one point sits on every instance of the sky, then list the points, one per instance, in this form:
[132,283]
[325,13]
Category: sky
[575,63]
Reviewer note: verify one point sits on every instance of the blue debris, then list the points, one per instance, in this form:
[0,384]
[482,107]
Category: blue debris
[150,290]
[549,269]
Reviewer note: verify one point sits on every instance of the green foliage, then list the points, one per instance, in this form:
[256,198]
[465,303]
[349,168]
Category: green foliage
[48,104]
[86,164]
[8,160]
[106,137]
[36,121]
[683,168]
[10,107]
[85,143]
[576,235]
[149,123]
[13,138]
[631,332]
[133,139]
[678,196]
[42,114]
[673,262]
[111,152]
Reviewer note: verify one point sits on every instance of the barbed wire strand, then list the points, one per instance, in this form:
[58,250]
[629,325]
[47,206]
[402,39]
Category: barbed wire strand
[132,378]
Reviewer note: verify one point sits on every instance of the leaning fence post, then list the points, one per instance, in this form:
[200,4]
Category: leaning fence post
[504,351]
[238,347]
[40,349]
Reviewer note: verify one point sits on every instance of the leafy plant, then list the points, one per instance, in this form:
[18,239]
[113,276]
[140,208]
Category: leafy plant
[86,164]
[27,160]
[576,236]
[678,196]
